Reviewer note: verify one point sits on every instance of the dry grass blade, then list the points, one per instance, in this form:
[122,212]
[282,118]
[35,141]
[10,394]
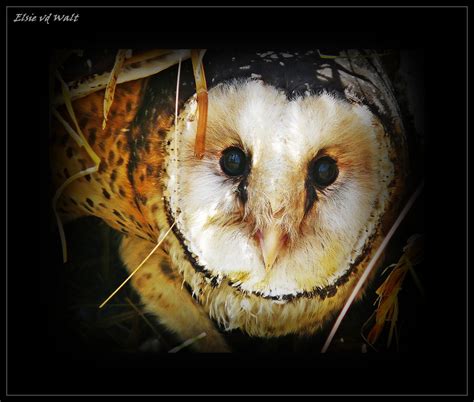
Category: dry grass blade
[116,319]
[140,313]
[68,128]
[187,343]
[68,101]
[202,99]
[56,197]
[139,266]
[393,322]
[370,266]
[80,139]
[333,57]
[387,310]
[148,55]
[112,83]
[131,71]
[176,116]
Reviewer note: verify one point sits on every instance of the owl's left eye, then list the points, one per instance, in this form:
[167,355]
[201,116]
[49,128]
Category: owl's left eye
[233,161]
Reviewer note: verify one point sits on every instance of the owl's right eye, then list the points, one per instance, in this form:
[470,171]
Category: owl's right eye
[233,161]
[324,171]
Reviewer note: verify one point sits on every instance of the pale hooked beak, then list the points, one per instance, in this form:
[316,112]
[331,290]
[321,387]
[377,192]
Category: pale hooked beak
[271,240]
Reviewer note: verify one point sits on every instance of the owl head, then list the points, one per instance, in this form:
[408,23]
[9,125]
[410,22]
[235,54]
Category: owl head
[286,199]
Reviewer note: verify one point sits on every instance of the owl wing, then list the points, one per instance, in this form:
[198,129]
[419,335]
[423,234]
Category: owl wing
[125,191]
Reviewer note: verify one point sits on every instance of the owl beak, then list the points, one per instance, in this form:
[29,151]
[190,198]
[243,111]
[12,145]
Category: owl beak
[271,240]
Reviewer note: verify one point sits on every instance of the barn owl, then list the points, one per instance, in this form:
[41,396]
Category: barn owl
[270,229]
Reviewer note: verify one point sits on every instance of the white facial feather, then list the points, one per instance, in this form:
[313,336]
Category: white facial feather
[281,137]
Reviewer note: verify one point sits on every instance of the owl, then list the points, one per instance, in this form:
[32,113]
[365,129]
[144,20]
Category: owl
[269,229]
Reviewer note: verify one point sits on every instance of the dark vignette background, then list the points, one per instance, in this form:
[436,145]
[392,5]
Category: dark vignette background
[39,362]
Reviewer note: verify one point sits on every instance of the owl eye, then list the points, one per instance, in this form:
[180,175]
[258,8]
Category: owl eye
[324,171]
[233,161]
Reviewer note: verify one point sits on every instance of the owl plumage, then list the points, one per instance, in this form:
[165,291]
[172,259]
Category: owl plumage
[265,238]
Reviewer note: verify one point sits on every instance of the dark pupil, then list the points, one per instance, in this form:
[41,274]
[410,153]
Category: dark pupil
[233,161]
[325,171]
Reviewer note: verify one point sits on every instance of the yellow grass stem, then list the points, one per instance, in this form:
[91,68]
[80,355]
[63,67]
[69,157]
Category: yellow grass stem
[58,193]
[370,266]
[67,100]
[140,313]
[139,266]
[147,55]
[81,141]
[387,300]
[112,83]
[202,99]
[132,70]
[187,343]
[331,56]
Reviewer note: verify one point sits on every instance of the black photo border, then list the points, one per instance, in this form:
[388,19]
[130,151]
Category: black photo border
[33,282]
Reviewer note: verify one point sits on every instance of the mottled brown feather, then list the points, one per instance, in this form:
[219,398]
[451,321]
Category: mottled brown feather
[127,186]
